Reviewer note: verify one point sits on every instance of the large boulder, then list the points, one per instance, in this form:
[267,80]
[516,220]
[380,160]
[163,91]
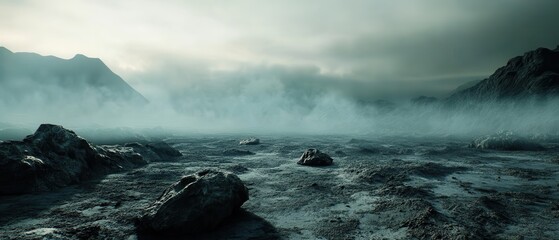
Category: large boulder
[197,203]
[53,157]
[314,157]
[506,141]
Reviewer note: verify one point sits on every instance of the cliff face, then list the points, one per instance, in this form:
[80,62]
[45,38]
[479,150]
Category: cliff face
[29,77]
[535,74]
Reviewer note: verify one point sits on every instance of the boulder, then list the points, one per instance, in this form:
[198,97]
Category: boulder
[195,204]
[313,157]
[250,141]
[507,141]
[53,157]
[163,149]
[155,152]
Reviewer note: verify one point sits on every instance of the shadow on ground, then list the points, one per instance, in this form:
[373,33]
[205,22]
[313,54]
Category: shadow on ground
[242,225]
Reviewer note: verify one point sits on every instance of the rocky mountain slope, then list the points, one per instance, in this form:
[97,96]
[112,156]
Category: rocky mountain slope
[534,74]
[32,78]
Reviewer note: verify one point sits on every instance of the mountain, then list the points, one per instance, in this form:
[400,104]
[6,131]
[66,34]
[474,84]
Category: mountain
[34,79]
[532,75]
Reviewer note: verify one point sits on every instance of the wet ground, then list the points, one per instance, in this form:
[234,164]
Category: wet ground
[392,188]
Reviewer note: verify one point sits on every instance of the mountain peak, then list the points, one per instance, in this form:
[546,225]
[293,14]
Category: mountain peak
[84,57]
[4,50]
[534,74]
[77,77]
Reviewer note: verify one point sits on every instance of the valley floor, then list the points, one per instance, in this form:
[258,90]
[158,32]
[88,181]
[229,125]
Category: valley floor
[392,188]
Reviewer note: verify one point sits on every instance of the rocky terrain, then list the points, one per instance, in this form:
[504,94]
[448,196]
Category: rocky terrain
[55,157]
[376,188]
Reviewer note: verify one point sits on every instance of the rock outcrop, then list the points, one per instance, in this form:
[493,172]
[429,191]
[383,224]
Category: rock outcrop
[54,157]
[195,204]
[506,141]
[250,141]
[313,157]
[155,152]
[535,74]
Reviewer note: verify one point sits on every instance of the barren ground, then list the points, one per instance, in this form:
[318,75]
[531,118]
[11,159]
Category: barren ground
[391,188]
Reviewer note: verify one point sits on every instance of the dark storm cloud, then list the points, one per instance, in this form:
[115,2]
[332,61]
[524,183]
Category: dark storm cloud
[312,64]
[493,32]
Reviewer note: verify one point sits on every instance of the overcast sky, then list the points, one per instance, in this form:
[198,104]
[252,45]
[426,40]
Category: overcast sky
[362,47]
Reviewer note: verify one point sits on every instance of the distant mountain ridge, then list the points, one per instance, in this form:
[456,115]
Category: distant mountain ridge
[30,77]
[532,75]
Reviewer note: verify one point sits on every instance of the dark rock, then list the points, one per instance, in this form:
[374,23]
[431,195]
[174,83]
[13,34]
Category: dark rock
[506,141]
[250,141]
[197,203]
[237,152]
[53,157]
[163,149]
[155,152]
[313,157]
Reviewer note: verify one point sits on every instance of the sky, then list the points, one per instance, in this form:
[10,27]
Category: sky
[246,51]
[367,44]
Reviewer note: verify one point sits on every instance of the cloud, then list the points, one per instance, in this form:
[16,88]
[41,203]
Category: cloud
[485,37]
[247,62]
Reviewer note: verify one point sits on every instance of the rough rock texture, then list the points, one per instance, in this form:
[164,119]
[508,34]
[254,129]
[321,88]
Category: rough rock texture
[505,141]
[535,74]
[197,203]
[54,157]
[155,152]
[250,141]
[313,157]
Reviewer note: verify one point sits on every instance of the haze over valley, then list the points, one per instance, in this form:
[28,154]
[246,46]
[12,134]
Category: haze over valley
[279,119]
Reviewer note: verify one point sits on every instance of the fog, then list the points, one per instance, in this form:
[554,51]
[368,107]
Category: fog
[249,67]
[274,100]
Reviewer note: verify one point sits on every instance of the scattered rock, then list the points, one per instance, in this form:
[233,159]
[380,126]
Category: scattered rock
[250,141]
[155,152]
[163,149]
[313,157]
[506,141]
[237,152]
[197,203]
